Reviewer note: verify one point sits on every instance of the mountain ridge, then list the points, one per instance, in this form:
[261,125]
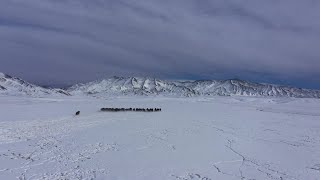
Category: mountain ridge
[146,86]
[10,85]
[188,88]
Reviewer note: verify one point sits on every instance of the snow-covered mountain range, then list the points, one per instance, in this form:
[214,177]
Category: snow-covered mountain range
[15,86]
[151,86]
[135,86]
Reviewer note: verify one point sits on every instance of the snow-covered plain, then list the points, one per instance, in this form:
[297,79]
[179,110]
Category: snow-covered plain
[218,138]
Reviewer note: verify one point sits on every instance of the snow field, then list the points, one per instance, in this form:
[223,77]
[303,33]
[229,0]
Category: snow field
[192,138]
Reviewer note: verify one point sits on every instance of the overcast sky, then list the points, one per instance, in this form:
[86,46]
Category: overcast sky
[59,42]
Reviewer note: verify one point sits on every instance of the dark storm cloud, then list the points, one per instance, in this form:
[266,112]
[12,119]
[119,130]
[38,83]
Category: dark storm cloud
[67,41]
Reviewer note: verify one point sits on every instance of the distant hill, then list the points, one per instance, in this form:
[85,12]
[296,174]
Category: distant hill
[14,86]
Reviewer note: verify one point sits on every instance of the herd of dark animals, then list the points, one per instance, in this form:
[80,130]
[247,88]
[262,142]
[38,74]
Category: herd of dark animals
[126,109]
[131,109]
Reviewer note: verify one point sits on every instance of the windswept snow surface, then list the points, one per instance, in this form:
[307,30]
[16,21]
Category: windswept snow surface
[220,138]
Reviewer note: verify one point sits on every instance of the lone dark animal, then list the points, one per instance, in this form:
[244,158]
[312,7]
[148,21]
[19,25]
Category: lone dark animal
[77,113]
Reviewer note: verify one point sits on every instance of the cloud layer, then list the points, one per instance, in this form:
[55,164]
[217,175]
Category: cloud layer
[68,41]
